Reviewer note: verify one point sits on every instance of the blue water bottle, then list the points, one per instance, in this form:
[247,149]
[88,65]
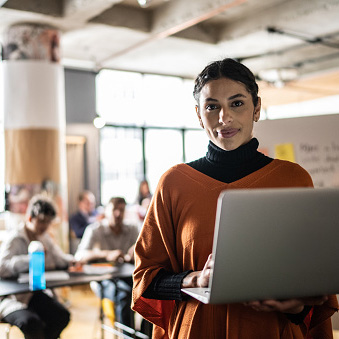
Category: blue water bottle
[37,279]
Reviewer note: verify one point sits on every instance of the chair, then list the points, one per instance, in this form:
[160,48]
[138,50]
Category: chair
[107,309]
[116,328]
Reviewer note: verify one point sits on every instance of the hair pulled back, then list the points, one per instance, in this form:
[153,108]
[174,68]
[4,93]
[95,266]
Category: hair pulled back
[227,68]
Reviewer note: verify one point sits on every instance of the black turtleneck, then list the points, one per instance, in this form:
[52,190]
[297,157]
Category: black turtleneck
[229,166]
[225,166]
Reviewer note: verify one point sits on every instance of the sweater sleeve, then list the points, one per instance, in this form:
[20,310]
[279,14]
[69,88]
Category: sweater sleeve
[166,286]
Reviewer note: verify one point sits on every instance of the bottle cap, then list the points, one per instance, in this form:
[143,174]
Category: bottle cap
[35,246]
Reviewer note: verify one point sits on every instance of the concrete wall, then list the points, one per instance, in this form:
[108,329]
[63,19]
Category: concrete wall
[80,94]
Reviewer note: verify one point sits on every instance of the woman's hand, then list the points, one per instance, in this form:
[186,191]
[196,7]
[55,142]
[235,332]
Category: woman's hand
[293,306]
[199,278]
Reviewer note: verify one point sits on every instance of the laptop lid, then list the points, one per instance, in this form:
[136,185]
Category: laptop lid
[275,244]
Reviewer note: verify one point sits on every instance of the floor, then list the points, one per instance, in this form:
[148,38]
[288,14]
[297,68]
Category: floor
[85,323]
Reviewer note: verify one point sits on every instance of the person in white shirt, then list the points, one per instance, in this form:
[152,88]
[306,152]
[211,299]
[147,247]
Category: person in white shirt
[112,240]
[38,314]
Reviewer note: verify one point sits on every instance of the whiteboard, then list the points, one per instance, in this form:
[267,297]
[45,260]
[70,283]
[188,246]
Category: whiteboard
[315,142]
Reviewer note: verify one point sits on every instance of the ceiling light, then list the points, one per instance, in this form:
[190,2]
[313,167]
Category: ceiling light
[144,3]
[99,122]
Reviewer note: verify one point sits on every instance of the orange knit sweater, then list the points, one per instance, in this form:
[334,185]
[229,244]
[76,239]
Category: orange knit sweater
[178,234]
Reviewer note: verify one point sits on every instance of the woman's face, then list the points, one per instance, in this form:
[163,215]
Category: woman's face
[226,112]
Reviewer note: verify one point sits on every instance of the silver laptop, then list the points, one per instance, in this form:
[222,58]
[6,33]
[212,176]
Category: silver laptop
[274,243]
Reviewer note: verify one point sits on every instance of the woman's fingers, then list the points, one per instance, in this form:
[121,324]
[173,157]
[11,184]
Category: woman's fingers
[314,300]
[286,306]
[204,277]
[209,263]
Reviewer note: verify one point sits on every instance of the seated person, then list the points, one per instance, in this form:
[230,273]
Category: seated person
[38,315]
[85,215]
[112,240]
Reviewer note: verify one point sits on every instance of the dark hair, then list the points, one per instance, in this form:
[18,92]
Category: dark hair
[117,200]
[227,68]
[41,205]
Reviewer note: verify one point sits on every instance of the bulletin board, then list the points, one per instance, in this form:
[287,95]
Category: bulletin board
[312,142]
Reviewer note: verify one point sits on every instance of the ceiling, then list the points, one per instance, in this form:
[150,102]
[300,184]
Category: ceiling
[291,44]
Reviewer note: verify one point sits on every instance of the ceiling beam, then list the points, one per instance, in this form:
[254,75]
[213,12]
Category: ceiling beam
[293,15]
[50,7]
[125,16]
[198,33]
[84,10]
[306,59]
[320,65]
[177,15]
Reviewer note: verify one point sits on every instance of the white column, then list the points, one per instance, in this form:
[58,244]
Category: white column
[34,119]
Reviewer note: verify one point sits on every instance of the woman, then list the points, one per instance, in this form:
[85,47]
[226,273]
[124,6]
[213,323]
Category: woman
[38,315]
[144,191]
[176,240]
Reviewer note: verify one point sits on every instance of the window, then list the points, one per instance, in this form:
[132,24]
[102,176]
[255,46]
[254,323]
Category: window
[163,149]
[130,154]
[127,98]
[118,97]
[148,118]
[196,142]
[121,163]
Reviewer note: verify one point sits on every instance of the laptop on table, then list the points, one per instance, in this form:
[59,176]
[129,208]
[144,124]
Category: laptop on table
[273,244]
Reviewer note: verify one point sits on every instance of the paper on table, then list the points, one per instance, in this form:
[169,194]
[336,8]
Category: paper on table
[98,269]
[49,275]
